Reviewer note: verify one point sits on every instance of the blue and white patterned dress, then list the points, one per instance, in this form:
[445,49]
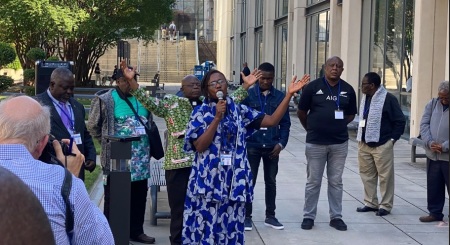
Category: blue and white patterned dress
[214,210]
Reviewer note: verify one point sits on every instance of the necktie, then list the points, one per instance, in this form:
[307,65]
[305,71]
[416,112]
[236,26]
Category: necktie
[65,115]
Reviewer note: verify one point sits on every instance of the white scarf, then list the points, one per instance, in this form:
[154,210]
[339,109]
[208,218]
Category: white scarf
[373,121]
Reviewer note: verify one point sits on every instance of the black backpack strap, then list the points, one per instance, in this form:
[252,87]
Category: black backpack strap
[65,192]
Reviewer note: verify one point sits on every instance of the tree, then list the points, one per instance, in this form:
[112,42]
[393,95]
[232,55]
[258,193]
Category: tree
[7,54]
[78,30]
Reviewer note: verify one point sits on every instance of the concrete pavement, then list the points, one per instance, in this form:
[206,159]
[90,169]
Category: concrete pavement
[402,226]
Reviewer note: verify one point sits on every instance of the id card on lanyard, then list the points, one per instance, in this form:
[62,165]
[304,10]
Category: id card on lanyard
[338,114]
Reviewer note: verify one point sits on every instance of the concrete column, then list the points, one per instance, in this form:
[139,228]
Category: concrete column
[296,58]
[269,32]
[351,36]
[236,62]
[447,62]
[251,15]
[335,28]
[223,15]
[430,39]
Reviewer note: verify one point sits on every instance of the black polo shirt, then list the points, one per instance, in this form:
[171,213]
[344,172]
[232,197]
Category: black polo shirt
[320,99]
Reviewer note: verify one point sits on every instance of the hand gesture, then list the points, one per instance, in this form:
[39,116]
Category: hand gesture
[295,86]
[251,78]
[129,73]
[436,147]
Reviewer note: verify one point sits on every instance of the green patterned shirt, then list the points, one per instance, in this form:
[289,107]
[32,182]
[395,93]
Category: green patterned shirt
[176,111]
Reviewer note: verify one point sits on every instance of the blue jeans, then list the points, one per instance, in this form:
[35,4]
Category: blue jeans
[333,156]
[270,166]
[437,179]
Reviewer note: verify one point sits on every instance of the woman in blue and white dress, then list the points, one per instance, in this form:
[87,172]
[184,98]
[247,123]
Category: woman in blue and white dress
[220,181]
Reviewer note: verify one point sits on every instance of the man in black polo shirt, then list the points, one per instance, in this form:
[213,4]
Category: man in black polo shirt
[327,105]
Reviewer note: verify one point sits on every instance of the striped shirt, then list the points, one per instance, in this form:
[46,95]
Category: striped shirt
[45,180]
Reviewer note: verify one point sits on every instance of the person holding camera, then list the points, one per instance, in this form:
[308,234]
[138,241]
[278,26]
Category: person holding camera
[67,116]
[24,133]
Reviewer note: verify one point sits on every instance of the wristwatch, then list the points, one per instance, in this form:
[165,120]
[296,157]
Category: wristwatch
[393,141]
[282,147]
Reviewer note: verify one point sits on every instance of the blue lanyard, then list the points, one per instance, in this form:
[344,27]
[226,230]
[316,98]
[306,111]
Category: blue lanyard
[339,91]
[366,108]
[71,121]
[260,101]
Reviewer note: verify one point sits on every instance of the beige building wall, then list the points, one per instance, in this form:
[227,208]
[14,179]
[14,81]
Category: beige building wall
[430,39]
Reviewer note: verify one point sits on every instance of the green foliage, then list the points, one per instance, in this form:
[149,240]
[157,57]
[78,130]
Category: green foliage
[28,75]
[90,178]
[30,90]
[7,54]
[15,65]
[5,83]
[35,54]
[78,31]
[53,58]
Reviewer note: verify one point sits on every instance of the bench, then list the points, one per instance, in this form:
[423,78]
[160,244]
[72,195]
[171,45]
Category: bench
[157,179]
[414,142]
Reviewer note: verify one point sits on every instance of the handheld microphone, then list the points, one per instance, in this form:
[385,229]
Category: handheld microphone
[219,95]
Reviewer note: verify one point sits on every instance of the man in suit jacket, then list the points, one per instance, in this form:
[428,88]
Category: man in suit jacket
[67,115]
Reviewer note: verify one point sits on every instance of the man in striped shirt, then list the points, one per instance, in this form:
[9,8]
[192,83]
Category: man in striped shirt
[24,128]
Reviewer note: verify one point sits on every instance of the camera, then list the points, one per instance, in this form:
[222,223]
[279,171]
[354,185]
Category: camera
[49,155]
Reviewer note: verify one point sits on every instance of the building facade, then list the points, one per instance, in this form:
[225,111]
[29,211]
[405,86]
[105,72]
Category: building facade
[398,39]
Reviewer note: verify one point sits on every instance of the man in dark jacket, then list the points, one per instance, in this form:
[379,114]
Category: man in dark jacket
[67,115]
[381,123]
[266,143]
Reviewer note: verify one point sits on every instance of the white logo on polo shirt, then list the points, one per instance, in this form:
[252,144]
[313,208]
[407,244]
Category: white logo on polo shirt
[319,92]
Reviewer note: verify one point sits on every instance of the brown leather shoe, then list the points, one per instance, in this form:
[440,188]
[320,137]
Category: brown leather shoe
[143,238]
[429,218]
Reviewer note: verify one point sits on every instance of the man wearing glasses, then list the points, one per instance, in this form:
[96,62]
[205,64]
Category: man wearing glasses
[381,123]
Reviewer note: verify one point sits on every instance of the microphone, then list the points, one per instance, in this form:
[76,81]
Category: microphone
[219,95]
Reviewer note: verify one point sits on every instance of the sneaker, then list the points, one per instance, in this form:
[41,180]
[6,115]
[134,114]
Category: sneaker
[248,224]
[307,224]
[271,221]
[338,224]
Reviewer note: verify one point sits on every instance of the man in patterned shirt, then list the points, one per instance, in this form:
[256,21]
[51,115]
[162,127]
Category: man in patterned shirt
[176,111]
[23,137]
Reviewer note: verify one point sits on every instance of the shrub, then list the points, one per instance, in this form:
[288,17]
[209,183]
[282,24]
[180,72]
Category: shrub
[15,65]
[35,54]
[53,58]
[28,76]
[7,54]
[30,90]
[5,83]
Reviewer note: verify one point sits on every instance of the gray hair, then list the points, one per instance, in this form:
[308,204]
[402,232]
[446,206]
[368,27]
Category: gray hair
[443,86]
[28,129]
[60,73]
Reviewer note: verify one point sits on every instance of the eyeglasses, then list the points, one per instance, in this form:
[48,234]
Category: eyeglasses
[192,85]
[362,84]
[214,83]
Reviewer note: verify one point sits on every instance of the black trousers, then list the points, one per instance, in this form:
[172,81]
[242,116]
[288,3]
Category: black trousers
[177,181]
[437,179]
[138,201]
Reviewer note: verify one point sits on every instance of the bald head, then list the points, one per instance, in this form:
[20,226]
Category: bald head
[24,221]
[190,85]
[23,121]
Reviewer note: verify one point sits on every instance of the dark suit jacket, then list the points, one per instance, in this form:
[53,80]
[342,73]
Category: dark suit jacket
[60,131]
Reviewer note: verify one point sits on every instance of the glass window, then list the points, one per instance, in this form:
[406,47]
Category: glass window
[281,57]
[259,12]
[311,2]
[244,16]
[282,8]
[243,50]
[258,47]
[317,45]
